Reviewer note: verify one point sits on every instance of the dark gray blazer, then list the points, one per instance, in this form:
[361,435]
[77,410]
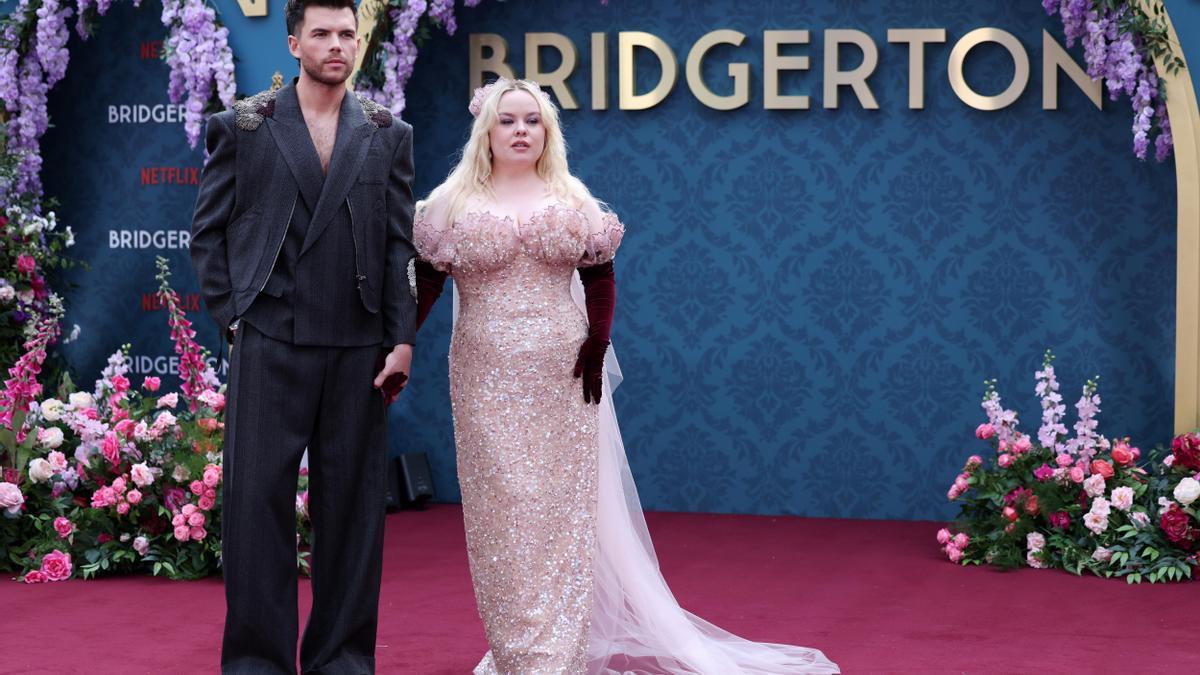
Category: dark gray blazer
[262,161]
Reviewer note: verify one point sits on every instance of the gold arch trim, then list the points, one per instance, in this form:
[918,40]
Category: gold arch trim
[1185,127]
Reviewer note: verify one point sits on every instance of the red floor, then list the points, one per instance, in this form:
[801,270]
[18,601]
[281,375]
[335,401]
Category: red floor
[874,595]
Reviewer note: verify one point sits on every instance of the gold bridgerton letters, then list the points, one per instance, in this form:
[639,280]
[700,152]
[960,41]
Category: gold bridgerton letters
[489,56]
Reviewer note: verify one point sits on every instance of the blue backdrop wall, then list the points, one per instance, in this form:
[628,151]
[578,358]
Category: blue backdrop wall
[809,300]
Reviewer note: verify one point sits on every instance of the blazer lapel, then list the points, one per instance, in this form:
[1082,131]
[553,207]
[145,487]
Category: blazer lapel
[295,144]
[349,151]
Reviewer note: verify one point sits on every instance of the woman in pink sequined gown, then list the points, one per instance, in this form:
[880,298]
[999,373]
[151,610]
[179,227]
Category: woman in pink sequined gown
[565,577]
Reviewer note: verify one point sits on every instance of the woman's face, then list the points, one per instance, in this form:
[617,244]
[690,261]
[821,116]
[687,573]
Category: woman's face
[518,137]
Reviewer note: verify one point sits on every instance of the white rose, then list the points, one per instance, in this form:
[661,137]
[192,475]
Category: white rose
[80,400]
[1187,491]
[1094,485]
[141,474]
[11,498]
[141,545]
[7,293]
[40,470]
[51,438]
[52,409]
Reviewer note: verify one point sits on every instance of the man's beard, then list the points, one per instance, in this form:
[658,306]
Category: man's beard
[330,80]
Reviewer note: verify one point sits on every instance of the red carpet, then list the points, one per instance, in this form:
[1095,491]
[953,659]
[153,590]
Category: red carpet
[875,596]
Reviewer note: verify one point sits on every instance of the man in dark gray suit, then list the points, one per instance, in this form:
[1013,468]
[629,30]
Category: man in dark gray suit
[301,240]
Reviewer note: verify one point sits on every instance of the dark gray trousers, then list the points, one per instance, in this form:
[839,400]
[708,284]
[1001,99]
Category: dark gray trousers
[283,398]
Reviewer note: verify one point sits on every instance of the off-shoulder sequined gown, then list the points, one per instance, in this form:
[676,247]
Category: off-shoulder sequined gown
[526,440]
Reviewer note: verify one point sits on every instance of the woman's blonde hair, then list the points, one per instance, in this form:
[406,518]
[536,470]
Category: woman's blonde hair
[472,175]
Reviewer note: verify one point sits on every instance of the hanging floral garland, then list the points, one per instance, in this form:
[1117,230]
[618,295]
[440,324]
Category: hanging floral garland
[401,27]
[1121,39]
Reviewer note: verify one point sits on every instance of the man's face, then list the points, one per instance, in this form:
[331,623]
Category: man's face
[326,44]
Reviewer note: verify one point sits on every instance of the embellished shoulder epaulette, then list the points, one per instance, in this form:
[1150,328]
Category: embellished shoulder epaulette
[380,116]
[252,110]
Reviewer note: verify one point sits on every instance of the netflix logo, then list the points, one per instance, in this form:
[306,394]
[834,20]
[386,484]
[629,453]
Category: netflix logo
[150,50]
[152,303]
[170,175]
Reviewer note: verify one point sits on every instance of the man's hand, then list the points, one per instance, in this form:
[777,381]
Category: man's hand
[394,372]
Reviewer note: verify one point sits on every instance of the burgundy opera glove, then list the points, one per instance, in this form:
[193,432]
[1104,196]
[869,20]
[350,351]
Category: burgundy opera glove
[600,294]
[430,283]
[392,384]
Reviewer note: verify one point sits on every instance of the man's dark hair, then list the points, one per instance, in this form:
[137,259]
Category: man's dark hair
[294,12]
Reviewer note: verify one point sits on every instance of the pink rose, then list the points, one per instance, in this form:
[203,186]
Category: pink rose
[189,509]
[178,520]
[63,527]
[119,485]
[26,264]
[1122,498]
[1003,446]
[943,536]
[169,401]
[141,474]
[109,495]
[210,493]
[953,493]
[120,383]
[182,532]
[961,483]
[151,384]
[112,448]
[196,487]
[1102,468]
[1022,445]
[141,545]
[973,462]
[961,540]
[57,566]
[35,577]
[124,427]
[1076,474]
[58,461]
[1005,460]
[1122,454]
[134,497]
[955,554]
[196,519]
[212,399]
[199,533]
[206,503]
[212,476]
[1010,513]
[1060,520]
[1064,460]
[984,431]
[123,508]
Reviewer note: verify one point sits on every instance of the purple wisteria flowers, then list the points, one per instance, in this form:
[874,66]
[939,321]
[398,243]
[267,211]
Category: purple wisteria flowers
[1116,54]
[201,62]
[398,51]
